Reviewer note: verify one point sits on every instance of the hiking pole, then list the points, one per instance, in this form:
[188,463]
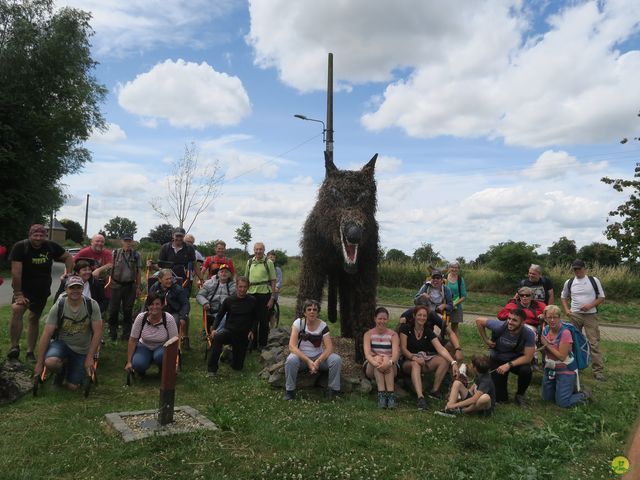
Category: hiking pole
[207,336]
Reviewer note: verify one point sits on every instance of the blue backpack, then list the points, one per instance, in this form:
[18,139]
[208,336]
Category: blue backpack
[581,350]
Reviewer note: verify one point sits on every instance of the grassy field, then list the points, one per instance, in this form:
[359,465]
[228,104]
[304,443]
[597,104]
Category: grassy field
[62,435]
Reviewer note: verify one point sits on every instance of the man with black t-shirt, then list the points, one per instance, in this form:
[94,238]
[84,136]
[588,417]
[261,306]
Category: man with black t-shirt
[542,286]
[31,262]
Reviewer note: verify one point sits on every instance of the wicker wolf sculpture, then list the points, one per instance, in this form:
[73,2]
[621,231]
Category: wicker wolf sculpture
[340,246]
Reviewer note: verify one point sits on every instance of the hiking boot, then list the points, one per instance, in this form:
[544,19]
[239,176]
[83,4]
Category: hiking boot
[435,394]
[600,377]
[211,374]
[289,395]
[31,357]
[392,403]
[422,403]
[13,353]
[521,401]
[382,399]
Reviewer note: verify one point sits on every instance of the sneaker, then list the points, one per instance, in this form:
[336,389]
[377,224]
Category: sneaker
[600,377]
[449,412]
[521,401]
[422,403]
[289,395]
[435,394]
[31,357]
[392,403]
[14,353]
[382,399]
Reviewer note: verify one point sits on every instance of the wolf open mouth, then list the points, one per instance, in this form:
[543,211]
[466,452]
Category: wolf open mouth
[349,250]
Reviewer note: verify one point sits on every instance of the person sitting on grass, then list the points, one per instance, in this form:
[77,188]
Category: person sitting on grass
[423,353]
[150,331]
[70,340]
[481,397]
[559,378]
[311,348]
[382,350]
[512,346]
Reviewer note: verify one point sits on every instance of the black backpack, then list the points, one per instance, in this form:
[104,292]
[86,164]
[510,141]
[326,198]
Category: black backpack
[594,284]
[61,302]
[145,320]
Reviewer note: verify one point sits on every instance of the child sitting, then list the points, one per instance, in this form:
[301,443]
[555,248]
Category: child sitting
[481,397]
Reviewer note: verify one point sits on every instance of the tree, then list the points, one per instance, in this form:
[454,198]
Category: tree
[74,232]
[243,235]
[625,231]
[49,105]
[600,253]
[395,255]
[562,252]
[161,234]
[281,257]
[426,254]
[118,226]
[190,189]
[511,258]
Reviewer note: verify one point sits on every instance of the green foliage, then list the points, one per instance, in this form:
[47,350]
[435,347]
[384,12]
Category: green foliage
[49,104]
[600,253]
[562,252]
[625,229]
[511,258]
[161,234]
[281,257]
[118,226]
[395,255]
[74,231]
[426,254]
[243,235]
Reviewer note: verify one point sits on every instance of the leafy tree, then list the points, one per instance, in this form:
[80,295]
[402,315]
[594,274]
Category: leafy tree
[75,231]
[161,234]
[625,230]
[461,261]
[511,258]
[562,252]
[49,105]
[281,257]
[600,253]
[426,254]
[395,255]
[243,235]
[190,189]
[118,226]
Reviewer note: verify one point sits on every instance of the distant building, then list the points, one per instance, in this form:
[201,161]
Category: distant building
[59,233]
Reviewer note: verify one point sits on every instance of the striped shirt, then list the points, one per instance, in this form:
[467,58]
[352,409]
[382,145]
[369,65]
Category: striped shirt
[381,342]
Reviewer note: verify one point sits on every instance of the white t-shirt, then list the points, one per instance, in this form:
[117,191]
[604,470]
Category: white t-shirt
[582,293]
[310,341]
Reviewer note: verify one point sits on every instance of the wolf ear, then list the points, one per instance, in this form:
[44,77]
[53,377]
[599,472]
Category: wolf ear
[371,165]
[329,166]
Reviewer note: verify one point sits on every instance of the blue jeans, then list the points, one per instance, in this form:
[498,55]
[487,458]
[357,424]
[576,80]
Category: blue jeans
[293,364]
[74,362]
[143,356]
[560,388]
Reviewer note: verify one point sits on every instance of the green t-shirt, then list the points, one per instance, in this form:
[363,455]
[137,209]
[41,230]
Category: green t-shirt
[76,329]
[260,275]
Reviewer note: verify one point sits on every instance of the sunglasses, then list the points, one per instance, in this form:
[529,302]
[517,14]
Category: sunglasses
[524,294]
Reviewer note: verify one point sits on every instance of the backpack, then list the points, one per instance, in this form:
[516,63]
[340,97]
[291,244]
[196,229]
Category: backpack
[248,270]
[145,320]
[88,304]
[580,349]
[519,348]
[594,284]
[119,251]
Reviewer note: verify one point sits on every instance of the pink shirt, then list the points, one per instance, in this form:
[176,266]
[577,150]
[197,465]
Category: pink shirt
[154,336]
[565,338]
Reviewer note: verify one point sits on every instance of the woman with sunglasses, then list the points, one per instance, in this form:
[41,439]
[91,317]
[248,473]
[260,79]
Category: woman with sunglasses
[534,309]
[311,349]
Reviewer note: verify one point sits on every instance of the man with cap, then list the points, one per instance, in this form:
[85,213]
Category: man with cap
[31,262]
[438,297]
[586,293]
[125,286]
[76,334]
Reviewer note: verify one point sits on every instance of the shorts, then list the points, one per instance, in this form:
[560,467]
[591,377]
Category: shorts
[36,302]
[456,316]
[74,362]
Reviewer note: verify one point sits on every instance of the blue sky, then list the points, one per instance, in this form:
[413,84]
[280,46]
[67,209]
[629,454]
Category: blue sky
[494,120]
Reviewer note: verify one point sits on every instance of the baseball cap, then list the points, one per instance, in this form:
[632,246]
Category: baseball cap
[179,231]
[73,280]
[436,274]
[224,265]
[578,264]
[127,236]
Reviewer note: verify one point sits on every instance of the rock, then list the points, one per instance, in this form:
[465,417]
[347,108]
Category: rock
[15,381]
[276,379]
[364,386]
[276,366]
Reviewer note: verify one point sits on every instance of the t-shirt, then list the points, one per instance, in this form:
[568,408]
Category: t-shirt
[484,384]
[36,265]
[507,342]
[213,264]
[565,337]
[582,293]
[76,329]
[182,258]
[433,319]
[240,312]
[154,336]
[422,344]
[101,258]
[540,288]
[310,341]
[260,274]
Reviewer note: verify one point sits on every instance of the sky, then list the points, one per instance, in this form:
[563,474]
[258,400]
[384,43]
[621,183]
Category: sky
[493,120]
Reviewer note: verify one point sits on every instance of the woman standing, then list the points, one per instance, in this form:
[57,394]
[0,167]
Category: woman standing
[311,348]
[455,282]
[382,350]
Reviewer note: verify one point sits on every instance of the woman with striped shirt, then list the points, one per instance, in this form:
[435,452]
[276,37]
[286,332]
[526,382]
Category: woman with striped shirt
[382,351]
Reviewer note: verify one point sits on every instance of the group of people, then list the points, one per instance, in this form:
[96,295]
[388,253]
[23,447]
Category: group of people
[237,311]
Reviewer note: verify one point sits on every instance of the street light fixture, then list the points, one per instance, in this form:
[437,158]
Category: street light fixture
[324,128]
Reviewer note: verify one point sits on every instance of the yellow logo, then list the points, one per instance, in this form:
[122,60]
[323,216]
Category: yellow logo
[620,465]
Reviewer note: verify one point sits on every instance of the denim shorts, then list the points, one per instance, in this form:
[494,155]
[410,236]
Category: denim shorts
[74,362]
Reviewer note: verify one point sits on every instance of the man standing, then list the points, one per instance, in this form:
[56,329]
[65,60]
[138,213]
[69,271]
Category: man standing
[542,286]
[31,262]
[180,254]
[212,264]
[125,286]
[436,295]
[197,265]
[101,258]
[262,285]
[586,294]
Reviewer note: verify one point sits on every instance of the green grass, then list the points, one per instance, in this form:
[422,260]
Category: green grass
[62,435]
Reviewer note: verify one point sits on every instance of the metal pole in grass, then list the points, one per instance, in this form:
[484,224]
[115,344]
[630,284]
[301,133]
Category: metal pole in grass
[168,382]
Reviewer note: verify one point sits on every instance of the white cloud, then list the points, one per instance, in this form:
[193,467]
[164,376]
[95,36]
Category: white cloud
[554,164]
[186,94]
[113,133]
